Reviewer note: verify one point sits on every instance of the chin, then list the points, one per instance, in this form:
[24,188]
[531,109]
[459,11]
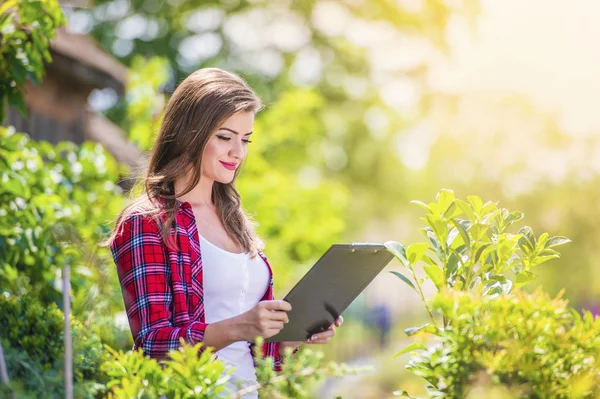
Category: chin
[225,179]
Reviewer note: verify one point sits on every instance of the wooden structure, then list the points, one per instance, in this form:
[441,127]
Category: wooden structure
[57,109]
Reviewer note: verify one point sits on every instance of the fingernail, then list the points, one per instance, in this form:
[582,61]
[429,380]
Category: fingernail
[313,337]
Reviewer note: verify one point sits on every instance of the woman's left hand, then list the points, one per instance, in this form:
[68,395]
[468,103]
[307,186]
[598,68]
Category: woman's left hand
[320,338]
[325,336]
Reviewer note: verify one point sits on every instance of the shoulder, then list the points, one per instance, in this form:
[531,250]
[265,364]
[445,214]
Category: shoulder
[136,228]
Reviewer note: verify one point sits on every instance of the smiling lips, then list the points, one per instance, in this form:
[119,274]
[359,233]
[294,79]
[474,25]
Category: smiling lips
[230,166]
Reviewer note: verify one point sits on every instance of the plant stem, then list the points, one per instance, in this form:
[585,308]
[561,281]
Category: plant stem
[420,291]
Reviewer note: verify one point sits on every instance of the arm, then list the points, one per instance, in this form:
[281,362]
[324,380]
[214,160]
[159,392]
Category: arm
[145,278]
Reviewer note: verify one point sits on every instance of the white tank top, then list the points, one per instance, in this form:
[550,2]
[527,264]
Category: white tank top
[233,284]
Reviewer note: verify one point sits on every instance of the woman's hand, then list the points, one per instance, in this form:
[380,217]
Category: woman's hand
[320,338]
[266,319]
[325,336]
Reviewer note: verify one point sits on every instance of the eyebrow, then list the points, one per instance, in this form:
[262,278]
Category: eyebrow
[233,131]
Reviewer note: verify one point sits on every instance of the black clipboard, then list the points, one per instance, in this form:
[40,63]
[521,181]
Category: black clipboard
[329,287]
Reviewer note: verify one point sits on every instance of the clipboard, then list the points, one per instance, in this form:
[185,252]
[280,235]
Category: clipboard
[329,287]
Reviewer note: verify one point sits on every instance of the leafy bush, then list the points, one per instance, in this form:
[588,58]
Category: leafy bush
[27,27]
[532,345]
[53,202]
[33,338]
[517,345]
[466,254]
[191,373]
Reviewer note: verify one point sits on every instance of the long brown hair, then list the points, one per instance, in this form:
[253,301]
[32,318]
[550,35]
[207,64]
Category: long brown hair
[198,107]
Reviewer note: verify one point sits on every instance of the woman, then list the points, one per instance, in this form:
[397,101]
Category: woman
[189,261]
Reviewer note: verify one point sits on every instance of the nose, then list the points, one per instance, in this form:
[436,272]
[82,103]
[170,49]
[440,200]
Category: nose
[237,150]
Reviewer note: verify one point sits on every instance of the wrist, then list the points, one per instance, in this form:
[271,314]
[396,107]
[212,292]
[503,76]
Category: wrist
[235,329]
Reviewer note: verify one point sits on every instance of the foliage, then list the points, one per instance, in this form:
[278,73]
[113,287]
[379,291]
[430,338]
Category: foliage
[193,371]
[298,372]
[54,200]
[359,57]
[145,103]
[464,254]
[528,345]
[26,27]
[531,345]
[188,373]
[33,338]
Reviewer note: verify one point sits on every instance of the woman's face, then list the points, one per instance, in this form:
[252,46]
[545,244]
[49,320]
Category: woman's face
[227,147]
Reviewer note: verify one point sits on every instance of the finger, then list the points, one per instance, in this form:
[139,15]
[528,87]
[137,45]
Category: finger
[319,341]
[324,335]
[339,321]
[275,325]
[278,316]
[277,305]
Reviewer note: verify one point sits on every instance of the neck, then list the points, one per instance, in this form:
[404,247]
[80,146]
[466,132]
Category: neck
[200,194]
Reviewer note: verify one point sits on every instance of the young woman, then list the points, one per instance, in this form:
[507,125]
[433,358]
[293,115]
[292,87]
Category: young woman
[188,258]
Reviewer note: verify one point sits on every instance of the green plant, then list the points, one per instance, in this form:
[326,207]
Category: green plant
[53,204]
[463,254]
[189,373]
[531,345]
[26,27]
[192,373]
[32,336]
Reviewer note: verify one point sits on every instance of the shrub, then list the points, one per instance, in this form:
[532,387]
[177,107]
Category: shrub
[190,372]
[53,202]
[529,346]
[33,339]
[532,345]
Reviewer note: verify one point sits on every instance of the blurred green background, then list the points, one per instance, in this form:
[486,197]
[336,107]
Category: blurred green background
[369,104]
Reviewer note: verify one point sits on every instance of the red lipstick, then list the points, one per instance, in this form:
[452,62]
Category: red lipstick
[230,166]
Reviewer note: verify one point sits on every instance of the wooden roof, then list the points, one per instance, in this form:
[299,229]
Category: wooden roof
[81,57]
[102,130]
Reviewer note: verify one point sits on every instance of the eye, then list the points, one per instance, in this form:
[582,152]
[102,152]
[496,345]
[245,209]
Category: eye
[223,138]
[246,141]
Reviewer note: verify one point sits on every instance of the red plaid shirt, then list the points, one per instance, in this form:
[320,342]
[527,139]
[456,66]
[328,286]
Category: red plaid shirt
[163,289]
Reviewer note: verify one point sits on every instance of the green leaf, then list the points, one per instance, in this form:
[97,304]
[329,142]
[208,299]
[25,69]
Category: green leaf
[412,347]
[452,211]
[398,251]
[527,238]
[538,260]
[476,202]
[404,393]
[555,241]
[444,199]
[435,274]
[467,209]
[478,231]
[524,278]
[542,240]
[512,218]
[424,328]
[463,232]
[415,252]
[452,265]
[435,244]
[403,278]
[438,226]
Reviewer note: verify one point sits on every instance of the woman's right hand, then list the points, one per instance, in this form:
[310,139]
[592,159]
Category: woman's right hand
[266,319]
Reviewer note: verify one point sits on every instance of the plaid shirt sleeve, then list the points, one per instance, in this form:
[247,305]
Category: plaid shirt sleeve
[145,277]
